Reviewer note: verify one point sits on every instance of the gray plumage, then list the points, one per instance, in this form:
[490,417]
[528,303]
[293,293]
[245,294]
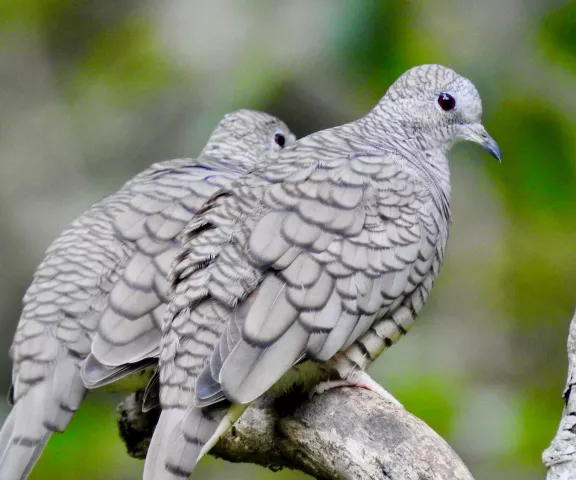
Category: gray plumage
[309,267]
[92,313]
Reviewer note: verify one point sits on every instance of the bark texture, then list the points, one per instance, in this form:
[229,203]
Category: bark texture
[560,456]
[345,433]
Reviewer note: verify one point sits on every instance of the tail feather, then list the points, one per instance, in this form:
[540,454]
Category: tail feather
[152,393]
[23,436]
[154,468]
[183,437]
[20,450]
[45,408]
[96,374]
[67,393]
[6,432]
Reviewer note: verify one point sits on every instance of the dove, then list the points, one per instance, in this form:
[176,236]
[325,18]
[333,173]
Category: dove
[100,291]
[304,271]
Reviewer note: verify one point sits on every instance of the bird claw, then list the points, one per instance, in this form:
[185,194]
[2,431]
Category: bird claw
[328,385]
[357,379]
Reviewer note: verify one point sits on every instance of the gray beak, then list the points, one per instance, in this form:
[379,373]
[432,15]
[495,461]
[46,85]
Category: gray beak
[492,148]
[477,133]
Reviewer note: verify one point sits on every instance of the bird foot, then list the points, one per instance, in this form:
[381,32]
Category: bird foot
[357,379]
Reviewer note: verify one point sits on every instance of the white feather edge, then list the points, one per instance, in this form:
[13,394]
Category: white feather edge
[233,414]
[169,420]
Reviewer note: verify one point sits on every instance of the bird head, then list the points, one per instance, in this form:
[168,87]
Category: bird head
[248,136]
[440,105]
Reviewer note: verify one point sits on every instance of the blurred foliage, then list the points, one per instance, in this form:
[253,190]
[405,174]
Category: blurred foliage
[126,63]
[93,92]
[557,32]
[371,48]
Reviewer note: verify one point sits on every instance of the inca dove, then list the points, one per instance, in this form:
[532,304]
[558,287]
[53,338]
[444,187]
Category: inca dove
[101,286]
[307,269]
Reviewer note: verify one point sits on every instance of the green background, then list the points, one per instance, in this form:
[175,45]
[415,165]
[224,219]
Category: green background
[93,91]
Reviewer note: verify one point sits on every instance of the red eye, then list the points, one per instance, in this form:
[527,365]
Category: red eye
[280,139]
[446,101]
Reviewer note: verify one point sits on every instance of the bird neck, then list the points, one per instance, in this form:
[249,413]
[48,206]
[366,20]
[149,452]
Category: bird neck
[424,155]
[383,124]
[224,156]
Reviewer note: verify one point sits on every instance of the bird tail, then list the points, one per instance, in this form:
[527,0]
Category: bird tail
[182,437]
[46,407]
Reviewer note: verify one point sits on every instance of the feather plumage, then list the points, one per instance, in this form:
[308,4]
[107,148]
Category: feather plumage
[101,289]
[325,252]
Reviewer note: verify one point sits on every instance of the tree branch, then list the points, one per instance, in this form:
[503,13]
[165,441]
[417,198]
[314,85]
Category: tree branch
[560,456]
[345,433]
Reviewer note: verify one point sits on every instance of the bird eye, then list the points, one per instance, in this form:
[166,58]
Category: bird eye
[280,139]
[446,101]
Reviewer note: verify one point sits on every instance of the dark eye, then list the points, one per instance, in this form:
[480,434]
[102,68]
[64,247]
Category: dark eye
[280,139]
[446,101]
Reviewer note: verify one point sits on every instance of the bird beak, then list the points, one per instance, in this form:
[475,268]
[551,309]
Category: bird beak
[477,133]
